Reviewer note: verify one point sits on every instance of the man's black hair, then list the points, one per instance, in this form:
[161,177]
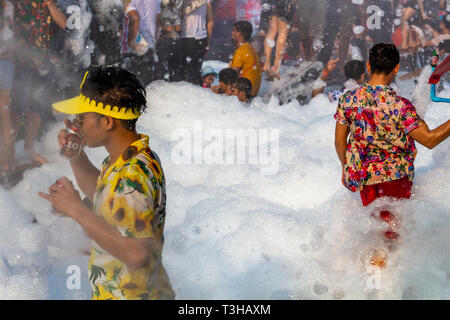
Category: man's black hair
[383,58]
[115,86]
[444,45]
[228,76]
[245,28]
[354,69]
[245,85]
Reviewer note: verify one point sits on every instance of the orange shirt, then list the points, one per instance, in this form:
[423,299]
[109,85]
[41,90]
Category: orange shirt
[247,60]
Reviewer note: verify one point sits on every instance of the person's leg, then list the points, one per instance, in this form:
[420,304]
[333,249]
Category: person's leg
[6,133]
[283,29]
[32,125]
[189,46]
[269,42]
[198,61]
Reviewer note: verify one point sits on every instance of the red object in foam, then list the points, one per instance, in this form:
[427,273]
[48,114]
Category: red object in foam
[391,235]
[400,189]
[440,70]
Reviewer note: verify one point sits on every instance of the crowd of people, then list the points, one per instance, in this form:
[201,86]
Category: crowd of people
[46,45]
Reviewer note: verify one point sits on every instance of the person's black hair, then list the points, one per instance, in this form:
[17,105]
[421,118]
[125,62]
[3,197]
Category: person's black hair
[228,76]
[245,28]
[245,85]
[354,69]
[383,58]
[444,45]
[114,86]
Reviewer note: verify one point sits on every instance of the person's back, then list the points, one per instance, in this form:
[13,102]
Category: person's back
[248,59]
[379,122]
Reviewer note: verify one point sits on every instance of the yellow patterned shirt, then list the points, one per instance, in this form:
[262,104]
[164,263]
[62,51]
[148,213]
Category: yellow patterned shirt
[131,196]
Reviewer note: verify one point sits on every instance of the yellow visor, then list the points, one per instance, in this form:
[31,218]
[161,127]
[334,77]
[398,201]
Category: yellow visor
[82,104]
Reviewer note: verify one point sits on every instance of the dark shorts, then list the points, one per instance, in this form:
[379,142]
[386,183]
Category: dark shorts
[32,92]
[283,9]
[400,189]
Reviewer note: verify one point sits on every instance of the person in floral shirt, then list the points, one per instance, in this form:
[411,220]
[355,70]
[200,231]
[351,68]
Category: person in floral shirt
[382,128]
[128,193]
[375,138]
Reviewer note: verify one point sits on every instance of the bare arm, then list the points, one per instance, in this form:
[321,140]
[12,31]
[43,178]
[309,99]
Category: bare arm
[58,17]
[330,67]
[133,252]
[133,28]
[340,141]
[430,138]
[86,174]
[158,28]
[422,11]
[209,20]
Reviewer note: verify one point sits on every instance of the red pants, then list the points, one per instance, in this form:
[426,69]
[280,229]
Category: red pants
[397,188]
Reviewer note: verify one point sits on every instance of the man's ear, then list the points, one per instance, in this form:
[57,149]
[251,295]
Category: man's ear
[397,68]
[368,67]
[109,122]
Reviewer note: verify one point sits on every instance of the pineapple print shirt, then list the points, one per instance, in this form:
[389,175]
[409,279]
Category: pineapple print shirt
[131,196]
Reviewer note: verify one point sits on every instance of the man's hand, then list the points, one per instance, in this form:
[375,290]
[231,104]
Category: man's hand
[64,198]
[331,65]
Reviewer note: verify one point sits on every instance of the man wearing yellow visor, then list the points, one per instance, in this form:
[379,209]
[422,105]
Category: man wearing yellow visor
[128,192]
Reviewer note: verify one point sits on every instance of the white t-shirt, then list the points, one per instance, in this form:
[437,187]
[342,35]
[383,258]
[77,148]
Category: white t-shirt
[147,10]
[194,24]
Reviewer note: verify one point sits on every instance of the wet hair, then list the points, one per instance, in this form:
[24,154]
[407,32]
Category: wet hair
[383,58]
[244,85]
[228,76]
[245,28]
[354,69]
[114,86]
[445,45]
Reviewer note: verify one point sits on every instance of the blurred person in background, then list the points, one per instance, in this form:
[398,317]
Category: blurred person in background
[106,31]
[168,47]
[196,30]
[32,90]
[245,59]
[281,15]
[7,140]
[143,28]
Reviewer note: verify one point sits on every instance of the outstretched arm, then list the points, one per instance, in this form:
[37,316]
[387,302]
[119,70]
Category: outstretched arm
[59,17]
[430,138]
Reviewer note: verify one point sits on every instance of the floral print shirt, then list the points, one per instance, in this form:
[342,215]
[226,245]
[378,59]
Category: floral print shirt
[34,33]
[131,197]
[379,148]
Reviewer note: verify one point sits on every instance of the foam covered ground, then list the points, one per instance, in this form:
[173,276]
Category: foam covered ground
[236,231]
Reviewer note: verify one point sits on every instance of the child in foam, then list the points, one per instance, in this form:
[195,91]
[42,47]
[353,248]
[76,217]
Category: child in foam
[227,77]
[208,76]
[242,89]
